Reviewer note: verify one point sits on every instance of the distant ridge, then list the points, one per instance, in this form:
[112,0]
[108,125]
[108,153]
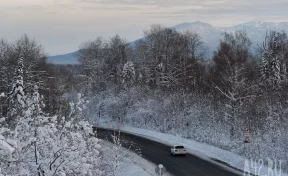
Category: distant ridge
[210,35]
[64,59]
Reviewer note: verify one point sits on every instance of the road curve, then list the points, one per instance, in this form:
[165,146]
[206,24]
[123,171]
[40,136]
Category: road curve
[158,153]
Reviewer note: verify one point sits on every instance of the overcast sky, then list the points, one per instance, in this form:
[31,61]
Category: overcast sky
[62,25]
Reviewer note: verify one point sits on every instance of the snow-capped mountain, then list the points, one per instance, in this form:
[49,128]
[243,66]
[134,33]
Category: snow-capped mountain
[211,35]
[257,30]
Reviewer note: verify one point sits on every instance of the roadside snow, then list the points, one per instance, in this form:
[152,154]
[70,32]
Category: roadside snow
[132,164]
[205,151]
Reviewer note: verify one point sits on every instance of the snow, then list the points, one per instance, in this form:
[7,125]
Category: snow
[132,164]
[2,94]
[203,151]
[4,146]
[56,148]
[2,119]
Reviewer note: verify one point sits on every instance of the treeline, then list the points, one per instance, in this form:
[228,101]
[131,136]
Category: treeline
[165,82]
[53,80]
[172,61]
[164,59]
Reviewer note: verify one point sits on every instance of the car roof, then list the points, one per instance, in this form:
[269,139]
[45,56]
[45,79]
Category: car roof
[178,145]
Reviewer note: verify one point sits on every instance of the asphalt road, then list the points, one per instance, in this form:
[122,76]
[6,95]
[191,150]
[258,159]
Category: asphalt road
[158,153]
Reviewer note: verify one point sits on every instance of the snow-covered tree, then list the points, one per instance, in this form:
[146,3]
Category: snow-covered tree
[50,146]
[34,67]
[16,97]
[6,74]
[34,61]
[271,64]
[128,73]
[274,59]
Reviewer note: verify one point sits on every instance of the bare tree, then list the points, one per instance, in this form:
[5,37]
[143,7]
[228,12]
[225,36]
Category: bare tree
[34,62]
[231,61]
[167,57]
[103,61]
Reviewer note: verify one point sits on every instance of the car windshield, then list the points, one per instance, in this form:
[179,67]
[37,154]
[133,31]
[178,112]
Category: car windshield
[179,147]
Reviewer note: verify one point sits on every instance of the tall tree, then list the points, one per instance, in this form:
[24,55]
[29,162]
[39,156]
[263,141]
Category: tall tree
[34,62]
[231,63]
[16,98]
[128,73]
[92,58]
[167,57]
[118,54]
[275,58]
[6,62]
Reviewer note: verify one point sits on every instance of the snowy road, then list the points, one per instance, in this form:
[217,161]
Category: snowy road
[158,153]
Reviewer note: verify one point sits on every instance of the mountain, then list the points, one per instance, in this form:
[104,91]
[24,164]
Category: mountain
[64,59]
[256,30]
[210,35]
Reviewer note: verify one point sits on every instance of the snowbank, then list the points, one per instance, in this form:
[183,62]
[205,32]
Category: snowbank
[132,164]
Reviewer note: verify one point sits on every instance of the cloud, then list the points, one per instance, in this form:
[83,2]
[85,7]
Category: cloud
[166,7]
[163,8]
[60,21]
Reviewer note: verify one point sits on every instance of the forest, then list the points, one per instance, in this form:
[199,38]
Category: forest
[164,82]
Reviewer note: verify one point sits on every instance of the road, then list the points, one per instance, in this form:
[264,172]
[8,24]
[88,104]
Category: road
[158,153]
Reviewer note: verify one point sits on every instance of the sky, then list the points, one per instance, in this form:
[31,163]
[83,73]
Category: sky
[61,26]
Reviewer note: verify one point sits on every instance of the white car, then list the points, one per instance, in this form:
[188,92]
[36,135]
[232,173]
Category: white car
[178,150]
